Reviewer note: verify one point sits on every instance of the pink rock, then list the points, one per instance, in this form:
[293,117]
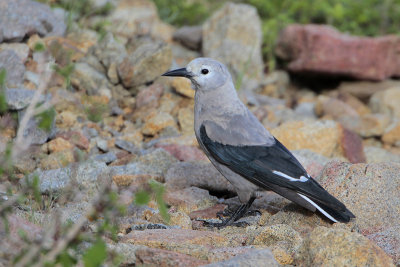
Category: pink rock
[75,137]
[149,96]
[184,153]
[352,146]
[323,49]
[161,257]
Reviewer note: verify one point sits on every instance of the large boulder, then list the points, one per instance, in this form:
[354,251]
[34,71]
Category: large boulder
[22,18]
[233,36]
[324,50]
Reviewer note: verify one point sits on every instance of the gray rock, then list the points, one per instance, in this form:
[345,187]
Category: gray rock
[386,102]
[89,79]
[16,24]
[233,36]
[127,146]
[389,241]
[377,154]
[33,134]
[18,99]
[145,64]
[13,65]
[22,50]
[102,144]
[110,51]
[85,174]
[106,157]
[127,251]
[256,257]
[189,36]
[203,175]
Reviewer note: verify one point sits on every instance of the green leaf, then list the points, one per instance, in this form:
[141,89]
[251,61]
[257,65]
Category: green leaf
[95,255]
[3,102]
[39,47]
[142,197]
[36,189]
[46,119]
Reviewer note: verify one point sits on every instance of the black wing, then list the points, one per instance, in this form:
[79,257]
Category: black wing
[266,166]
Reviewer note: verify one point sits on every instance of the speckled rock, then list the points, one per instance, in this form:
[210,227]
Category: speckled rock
[22,50]
[386,102]
[156,122]
[367,125]
[233,28]
[389,240]
[377,154]
[255,257]
[338,247]
[282,239]
[391,135]
[18,99]
[59,144]
[145,64]
[185,153]
[190,242]
[15,25]
[322,137]
[183,86]
[190,199]
[165,258]
[86,78]
[14,67]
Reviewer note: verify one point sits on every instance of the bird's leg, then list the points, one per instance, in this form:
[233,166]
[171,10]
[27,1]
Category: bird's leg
[237,214]
[228,212]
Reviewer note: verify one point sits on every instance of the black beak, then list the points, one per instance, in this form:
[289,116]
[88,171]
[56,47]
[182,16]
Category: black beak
[179,73]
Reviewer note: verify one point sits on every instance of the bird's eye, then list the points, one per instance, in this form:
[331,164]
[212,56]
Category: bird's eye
[204,71]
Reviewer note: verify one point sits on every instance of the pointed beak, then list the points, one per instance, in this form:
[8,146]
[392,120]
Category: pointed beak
[179,73]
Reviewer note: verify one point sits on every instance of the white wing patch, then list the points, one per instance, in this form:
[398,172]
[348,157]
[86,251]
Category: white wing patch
[301,179]
[319,208]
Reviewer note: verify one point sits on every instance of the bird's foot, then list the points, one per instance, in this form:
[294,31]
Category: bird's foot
[223,224]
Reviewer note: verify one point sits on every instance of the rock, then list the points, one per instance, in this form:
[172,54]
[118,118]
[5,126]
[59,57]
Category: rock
[182,56]
[156,122]
[233,28]
[15,25]
[161,257]
[207,213]
[392,134]
[107,158]
[322,49]
[363,90]
[202,175]
[183,86]
[22,50]
[338,247]
[376,155]
[190,199]
[322,137]
[368,190]
[189,242]
[85,174]
[189,36]
[130,18]
[280,237]
[311,161]
[367,125]
[389,241]
[352,146]
[333,108]
[127,251]
[57,160]
[145,64]
[59,144]
[149,96]
[127,146]
[255,257]
[180,219]
[186,120]
[88,79]
[75,137]
[102,144]
[386,102]
[32,133]
[110,51]
[136,181]
[14,67]
[18,99]
[185,153]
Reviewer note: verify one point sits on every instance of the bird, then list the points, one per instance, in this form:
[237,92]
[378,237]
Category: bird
[244,151]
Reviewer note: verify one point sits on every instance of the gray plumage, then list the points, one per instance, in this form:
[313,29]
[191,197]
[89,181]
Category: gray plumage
[241,148]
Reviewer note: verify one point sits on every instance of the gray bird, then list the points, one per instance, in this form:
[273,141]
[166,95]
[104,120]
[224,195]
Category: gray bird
[243,151]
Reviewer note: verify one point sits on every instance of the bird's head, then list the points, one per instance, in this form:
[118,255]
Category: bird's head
[206,74]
